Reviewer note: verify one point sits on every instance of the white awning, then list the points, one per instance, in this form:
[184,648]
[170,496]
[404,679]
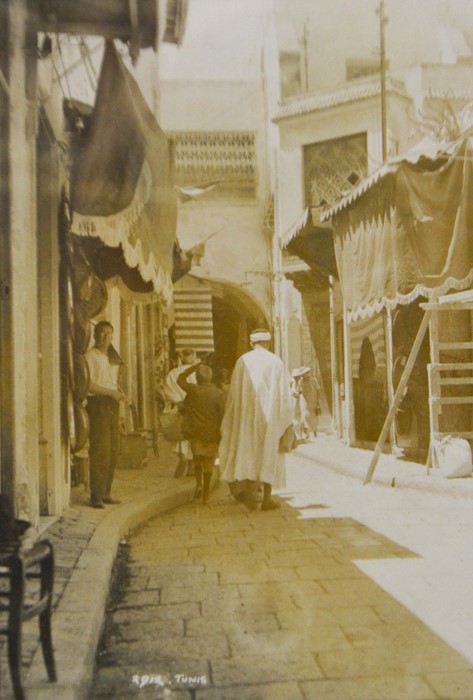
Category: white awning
[294,229]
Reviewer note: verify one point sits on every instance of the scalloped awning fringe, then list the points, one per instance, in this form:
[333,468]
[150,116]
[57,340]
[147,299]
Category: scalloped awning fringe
[122,186]
[408,236]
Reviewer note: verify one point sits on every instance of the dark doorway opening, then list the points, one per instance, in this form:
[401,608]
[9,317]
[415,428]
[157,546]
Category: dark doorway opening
[232,327]
[369,397]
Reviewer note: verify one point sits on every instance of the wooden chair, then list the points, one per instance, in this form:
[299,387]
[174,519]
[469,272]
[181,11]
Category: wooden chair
[18,567]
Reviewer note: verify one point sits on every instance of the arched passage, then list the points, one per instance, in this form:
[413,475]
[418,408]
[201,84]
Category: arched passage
[234,315]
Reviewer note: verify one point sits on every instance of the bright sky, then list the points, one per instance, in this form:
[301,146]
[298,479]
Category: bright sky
[222,41]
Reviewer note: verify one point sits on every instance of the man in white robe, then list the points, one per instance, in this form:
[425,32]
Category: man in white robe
[259,408]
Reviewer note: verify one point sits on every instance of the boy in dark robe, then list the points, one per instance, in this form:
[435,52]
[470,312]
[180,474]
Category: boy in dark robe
[204,406]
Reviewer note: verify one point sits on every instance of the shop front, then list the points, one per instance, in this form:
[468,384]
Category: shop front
[403,238]
[42,300]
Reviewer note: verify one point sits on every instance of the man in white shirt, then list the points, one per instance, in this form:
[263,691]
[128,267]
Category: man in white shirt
[102,406]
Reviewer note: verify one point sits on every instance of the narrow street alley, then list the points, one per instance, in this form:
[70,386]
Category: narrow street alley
[235,231]
[345,592]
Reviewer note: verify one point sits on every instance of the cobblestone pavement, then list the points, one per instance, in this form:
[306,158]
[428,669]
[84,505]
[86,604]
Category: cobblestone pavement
[336,595]
[71,535]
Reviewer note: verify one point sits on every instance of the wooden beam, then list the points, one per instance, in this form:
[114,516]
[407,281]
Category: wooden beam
[348,379]
[456,346]
[449,366]
[333,359]
[109,31]
[399,395]
[434,386]
[135,21]
[450,381]
[447,306]
[388,334]
[467,434]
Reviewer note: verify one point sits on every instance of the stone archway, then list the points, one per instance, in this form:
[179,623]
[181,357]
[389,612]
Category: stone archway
[234,315]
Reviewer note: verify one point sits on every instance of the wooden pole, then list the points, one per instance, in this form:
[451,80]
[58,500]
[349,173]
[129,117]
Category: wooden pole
[306,62]
[398,396]
[333,358]
[382,48]
[388,331]
[348,380]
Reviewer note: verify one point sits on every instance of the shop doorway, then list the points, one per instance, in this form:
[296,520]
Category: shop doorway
[412,418]
[232,328]
[220,329]
[369,397]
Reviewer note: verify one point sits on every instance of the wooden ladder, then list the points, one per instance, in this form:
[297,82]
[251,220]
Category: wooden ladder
[436,369]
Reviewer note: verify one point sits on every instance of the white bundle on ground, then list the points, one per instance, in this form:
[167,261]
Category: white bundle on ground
[452,455]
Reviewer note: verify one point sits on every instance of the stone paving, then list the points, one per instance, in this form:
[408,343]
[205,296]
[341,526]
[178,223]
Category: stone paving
[219,603]
[391,470]
[71,536]
[432,586]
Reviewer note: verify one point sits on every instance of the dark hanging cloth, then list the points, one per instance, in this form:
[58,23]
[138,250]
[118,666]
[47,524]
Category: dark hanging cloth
[409,235]
[122,187]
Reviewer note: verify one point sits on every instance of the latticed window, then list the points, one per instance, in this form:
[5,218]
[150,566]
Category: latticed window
[218,155]
[333,168]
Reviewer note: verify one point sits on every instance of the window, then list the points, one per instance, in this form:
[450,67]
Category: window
[290,71]
[332,168]
[216,155]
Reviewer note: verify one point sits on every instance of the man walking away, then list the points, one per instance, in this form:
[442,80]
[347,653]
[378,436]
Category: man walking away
[203,412]
[259,409]
[102,407]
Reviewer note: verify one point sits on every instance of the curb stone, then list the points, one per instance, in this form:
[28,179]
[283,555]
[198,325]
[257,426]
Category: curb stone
[391,472]
[78,618]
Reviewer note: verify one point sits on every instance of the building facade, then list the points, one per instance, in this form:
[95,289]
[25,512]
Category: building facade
[330,118]
[216,115]
[40,288]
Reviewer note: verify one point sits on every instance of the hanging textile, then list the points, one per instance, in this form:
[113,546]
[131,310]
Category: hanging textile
[122,188]
[373,329]
[193,319]
[408,235]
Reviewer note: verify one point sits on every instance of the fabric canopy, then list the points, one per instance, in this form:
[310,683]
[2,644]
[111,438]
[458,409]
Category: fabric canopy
[314,246]
[122,188]
[410,234]
[193,318]
[373,330]
[312,241]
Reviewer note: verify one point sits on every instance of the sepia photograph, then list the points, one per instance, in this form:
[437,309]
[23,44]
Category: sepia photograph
[236,349]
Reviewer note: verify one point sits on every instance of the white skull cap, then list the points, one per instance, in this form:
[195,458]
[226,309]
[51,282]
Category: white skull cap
[259,336]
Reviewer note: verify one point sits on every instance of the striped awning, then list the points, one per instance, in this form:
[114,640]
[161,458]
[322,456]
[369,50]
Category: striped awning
[372,329]
[193,319]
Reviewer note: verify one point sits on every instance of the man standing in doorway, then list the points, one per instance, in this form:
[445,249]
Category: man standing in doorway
[259,409]
[102,407]
[309,392]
